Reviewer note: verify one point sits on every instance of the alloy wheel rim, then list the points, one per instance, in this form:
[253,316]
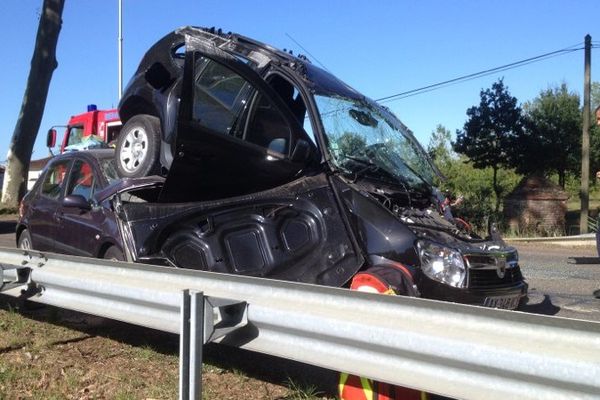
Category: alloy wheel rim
[25,244]
[134,149]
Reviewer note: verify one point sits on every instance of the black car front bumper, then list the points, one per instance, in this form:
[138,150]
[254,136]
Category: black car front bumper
[507,297]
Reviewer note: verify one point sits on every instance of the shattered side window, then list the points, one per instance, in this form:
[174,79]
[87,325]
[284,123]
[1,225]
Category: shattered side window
[109,170]
[220,96]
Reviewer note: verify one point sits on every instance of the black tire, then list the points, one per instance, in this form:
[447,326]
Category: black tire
[24,241]
[138,147]
[113,253]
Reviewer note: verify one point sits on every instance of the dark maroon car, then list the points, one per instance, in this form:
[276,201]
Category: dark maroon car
[68,210]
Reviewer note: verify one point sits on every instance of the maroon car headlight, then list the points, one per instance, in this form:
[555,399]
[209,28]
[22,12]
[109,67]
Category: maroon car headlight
[442,264]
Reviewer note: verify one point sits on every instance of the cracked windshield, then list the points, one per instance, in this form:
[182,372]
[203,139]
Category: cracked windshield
[364,141]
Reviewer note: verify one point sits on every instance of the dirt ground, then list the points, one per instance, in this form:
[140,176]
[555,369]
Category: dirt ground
[49,353]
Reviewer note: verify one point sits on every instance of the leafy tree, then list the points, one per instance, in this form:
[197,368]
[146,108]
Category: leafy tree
[440,147]
[43,64]
[475,185]
[594,132]
[488,136]
[594,150]
[551,141]
[351,143]
[595,96]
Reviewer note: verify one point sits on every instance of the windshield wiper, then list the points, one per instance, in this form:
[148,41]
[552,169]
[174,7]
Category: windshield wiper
[369,167]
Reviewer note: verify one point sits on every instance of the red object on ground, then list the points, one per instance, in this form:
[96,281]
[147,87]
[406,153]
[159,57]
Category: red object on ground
[352,387]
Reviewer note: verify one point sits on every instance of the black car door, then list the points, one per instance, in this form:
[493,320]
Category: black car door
[235,135]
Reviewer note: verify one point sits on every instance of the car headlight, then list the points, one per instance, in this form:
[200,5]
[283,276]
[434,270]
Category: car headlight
[442,264]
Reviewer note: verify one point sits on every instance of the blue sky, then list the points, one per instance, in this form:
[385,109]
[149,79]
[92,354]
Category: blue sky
[379,47]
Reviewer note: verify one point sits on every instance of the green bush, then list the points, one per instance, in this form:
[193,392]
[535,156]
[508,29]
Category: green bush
[475,185]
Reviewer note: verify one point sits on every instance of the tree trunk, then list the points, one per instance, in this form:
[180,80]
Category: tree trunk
[562,179]
[43,64]
[496,188]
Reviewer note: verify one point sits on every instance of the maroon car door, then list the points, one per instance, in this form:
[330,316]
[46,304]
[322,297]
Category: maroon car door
[80,230]
[42,222]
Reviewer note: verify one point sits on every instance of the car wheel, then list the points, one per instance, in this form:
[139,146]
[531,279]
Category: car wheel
[25,241]
[138,148]
[113,253]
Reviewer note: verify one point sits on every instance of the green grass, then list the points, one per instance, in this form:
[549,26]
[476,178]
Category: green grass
[300,391]
[8,210]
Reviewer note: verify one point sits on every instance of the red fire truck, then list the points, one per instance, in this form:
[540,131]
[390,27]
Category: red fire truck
[102,125]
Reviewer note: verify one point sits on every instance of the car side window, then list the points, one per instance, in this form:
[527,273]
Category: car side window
[291,96]
[267,127]
[54,180]
[82,180]
[221,103]
[220,96]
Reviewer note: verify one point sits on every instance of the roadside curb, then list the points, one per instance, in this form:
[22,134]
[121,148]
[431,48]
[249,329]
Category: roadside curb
[578,240]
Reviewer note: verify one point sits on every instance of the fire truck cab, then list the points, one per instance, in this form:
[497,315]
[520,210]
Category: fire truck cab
[103,125]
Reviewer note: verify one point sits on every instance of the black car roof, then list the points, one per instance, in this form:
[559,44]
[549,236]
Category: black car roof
[235,43]
[97,154]
[260,56]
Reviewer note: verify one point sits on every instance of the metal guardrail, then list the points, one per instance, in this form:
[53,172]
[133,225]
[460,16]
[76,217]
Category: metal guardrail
[450,349]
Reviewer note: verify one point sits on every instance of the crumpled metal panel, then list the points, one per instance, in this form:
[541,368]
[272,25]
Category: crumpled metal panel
[294,232]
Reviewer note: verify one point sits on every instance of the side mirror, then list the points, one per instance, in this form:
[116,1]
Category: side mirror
[157,76]
[76,201]
[301,151]
[51,138]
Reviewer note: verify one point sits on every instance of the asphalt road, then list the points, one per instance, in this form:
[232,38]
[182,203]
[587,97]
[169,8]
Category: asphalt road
[561,279]
[7,231]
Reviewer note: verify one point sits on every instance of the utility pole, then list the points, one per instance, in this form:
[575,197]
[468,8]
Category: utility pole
[585,139]
[120,48]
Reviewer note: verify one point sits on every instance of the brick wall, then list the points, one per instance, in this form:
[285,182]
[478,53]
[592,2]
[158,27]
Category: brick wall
[544,217]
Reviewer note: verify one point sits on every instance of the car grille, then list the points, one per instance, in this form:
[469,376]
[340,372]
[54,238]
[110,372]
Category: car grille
[485,278]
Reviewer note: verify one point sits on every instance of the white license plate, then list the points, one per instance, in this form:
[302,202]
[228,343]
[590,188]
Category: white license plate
[505,302]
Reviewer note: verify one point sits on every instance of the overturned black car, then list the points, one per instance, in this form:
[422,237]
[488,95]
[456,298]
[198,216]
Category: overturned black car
[275,168]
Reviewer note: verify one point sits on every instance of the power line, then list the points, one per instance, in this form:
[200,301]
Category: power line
[465,78]
[308,52]
[468,77]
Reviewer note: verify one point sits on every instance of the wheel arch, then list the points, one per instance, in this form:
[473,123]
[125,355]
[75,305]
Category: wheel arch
[137,105]
[107,244]
[19,230]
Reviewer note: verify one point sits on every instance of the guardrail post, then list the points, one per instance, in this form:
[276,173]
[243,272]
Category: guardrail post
[19,278]
[191,340]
